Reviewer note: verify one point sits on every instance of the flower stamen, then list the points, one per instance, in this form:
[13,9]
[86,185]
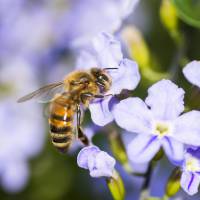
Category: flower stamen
[162,128]
[192,164]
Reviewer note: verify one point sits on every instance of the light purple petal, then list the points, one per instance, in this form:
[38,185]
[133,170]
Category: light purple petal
[173,149]
[86,61]
[165,100]
[98,162]
[133,115]
[100,112]
[90,17]
[127,6]
[108,50]
[192,72]
[102,165]
[15,176]
[85,154]
[187,128]
[127,76]
[85,19]
[190,182]
[143,148]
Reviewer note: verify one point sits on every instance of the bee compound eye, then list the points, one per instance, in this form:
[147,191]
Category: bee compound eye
[104,77]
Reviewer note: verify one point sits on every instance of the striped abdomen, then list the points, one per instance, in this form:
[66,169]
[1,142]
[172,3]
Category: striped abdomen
[61,126]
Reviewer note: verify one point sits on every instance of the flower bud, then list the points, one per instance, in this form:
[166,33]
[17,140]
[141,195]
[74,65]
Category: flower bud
[119,151]
[116,186]
[169,18]
[173,184]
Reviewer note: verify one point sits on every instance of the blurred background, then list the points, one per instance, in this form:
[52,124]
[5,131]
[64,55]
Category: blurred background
[40,41]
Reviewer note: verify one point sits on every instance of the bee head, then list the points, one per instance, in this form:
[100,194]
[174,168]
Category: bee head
[102,79]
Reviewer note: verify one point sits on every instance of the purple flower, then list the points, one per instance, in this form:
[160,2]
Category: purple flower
[105,52]
[87,18]
[192,72]
[158,123]
[98,162]
[190,178]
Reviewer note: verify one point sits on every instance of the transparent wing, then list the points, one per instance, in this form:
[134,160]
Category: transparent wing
[45,94]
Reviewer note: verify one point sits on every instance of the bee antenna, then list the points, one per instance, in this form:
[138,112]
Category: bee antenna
[109,68]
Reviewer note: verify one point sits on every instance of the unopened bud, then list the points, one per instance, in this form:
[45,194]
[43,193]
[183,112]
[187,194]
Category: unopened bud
[119,151]
[116,186]
[169,18]
[173,184]
[136,45]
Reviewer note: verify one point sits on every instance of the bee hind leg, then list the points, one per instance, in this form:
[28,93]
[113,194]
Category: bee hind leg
[80,134]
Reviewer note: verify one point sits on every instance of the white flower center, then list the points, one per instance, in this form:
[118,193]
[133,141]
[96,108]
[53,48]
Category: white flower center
[192,164]
[162,128]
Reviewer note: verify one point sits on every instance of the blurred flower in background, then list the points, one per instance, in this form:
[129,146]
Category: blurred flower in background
[21,126]
[192,72]
[87,18]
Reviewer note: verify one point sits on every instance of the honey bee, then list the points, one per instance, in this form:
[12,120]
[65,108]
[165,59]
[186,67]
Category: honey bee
[67,98]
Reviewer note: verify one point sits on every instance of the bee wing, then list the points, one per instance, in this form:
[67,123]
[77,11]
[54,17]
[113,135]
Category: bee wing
[44,94]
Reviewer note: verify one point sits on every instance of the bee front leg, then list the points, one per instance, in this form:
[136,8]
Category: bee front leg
[86,96]
[81,136]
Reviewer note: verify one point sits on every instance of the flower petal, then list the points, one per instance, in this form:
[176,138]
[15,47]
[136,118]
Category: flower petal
[102,165]
[85,19]
[165,100]
[133,115]
[143,148]
[100,112]
[192,72]
[86,60]
[98,162]
[15,176]
[194,151]
[127,76]
[173,149]
[190,182]
[108,50]
[127,6]
[187,128]
[84,154]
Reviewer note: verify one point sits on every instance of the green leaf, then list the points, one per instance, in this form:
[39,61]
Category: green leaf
[188,11]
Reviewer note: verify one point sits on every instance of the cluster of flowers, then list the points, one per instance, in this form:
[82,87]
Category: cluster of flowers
[159,121]
[32,35]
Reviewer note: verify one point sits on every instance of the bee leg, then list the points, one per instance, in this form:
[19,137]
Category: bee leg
[81,136]
[100,96]
[85,96]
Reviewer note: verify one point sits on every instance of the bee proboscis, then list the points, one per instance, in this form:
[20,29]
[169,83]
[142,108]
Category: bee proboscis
[66,98]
